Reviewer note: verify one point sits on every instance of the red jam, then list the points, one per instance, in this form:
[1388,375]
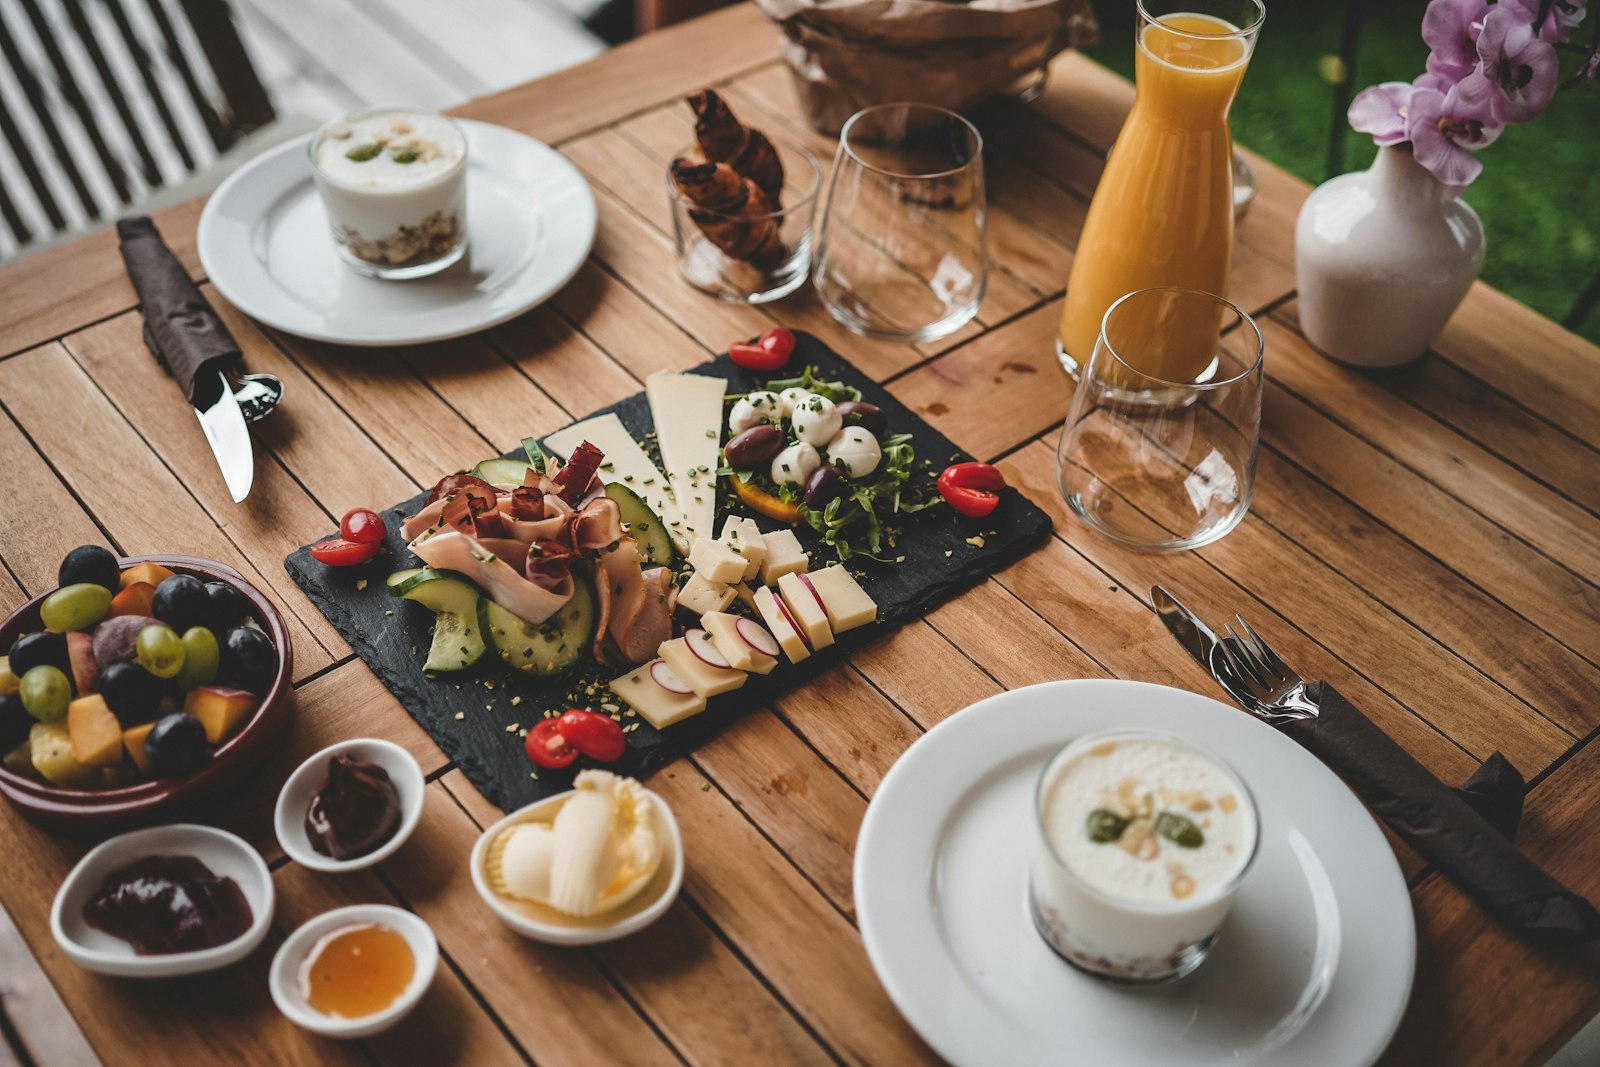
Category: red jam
[166,904]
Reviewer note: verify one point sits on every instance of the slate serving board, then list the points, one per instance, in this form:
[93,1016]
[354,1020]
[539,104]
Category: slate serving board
[468,714]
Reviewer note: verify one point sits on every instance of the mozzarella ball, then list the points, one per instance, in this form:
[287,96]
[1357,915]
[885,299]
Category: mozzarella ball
[795,464]
[792,398]
[754,409]
[816,420]
[855,451]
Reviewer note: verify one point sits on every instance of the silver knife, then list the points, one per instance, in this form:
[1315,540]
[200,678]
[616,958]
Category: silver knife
[1185,625]
[225,428]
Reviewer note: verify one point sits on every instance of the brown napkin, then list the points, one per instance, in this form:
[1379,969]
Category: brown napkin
[179,326]
[1462,836]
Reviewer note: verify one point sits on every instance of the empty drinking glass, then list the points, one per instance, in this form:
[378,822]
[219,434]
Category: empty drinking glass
[1159,448]
[900,251]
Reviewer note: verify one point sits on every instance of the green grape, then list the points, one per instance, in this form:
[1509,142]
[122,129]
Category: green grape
[159,650]
[46,693]
[200,658]
[75,607]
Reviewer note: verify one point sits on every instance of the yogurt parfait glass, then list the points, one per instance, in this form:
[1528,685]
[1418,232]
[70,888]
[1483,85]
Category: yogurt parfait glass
[393,182]
[1142,840]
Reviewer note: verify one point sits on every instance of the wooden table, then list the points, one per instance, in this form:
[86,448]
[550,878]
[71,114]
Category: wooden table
[1426,539]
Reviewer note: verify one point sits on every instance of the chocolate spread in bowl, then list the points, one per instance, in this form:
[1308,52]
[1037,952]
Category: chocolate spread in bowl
[355,812]
[166,904]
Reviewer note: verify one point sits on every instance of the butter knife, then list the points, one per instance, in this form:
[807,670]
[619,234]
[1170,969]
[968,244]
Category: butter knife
[188,337]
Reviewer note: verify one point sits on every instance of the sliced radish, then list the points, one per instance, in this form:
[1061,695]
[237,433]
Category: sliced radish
[668,679]
[784,611]
[700,644]
[756,636]
[805,580]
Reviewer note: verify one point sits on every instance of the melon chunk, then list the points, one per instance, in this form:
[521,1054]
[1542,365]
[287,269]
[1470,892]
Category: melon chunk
[50,749]
[152,574]
[94,731]
[219,709]
[133,740]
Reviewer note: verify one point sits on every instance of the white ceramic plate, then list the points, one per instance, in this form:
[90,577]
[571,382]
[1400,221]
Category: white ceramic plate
[289,817]
[264,243]
[284,978]
[1313,966]
[222,852]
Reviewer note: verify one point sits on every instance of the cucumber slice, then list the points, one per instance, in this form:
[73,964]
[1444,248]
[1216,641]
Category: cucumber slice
[398,582]
[544,648]
[502,471]
[535,454]
[457,641]
[642,524]
[401,583]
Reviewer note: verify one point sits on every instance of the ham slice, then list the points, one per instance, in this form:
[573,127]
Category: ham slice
[597,526]
[423,521]
[500,582]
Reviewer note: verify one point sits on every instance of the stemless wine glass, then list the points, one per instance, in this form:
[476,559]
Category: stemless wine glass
[1159,448]
[901,251]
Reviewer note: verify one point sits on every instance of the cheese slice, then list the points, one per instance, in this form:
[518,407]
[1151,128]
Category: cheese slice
[744,537]
[806,610]
[716,562]
[846,603]
[624,462]
[701,596]
[784,556]
[702,677]
[776,617]
[687,409]
[657,706]
[724,631]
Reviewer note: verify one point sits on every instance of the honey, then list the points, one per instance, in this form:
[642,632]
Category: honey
[356,971]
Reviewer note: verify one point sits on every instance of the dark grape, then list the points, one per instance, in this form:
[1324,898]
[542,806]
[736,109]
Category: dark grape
[15,722]
[181,602]
[176,746]
[91,564]
[132,693]
[39,650]
[248,660]
[228,606]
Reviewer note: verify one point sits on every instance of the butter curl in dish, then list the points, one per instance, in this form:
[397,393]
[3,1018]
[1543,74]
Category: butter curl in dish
[591,865]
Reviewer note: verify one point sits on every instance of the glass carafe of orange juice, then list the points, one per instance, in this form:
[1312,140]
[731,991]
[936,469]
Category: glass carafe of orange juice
[1163,212]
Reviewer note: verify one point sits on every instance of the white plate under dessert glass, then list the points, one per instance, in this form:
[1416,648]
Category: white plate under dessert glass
[264,242]
[1313,965]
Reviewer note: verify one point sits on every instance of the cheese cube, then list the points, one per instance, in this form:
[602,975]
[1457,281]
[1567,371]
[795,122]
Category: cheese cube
[702,677]
[846,603]
[716,562]
[745,595]
[806,609]
[657,706]
[701,596]
[724,631]
[744,537]
[776,616]
[784,556]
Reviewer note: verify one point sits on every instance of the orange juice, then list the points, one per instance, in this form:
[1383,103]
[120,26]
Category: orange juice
[1163,212]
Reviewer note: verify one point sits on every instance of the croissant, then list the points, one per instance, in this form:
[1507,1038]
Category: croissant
[717,191]
[724,139]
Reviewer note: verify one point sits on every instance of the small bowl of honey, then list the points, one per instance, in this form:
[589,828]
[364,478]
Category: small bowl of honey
[354,972]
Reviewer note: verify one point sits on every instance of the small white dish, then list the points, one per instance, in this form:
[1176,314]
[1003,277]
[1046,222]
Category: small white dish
[289,817]
[264,241]
[1312,966]
[284,978]
[224,854]
[539,923]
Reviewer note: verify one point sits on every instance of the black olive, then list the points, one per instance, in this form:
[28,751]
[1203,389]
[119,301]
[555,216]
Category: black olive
[824,484]
[248,660]
[753,447]
[869,417]
[43,648]
[176,746]
[228,606]
[15,722]
[181,602]
[90,564]
[132,693]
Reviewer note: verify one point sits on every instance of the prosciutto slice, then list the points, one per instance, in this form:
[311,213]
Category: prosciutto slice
[500,582]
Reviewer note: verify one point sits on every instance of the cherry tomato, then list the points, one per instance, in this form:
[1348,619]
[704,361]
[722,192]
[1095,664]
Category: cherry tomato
[973,489]
[596,736]
[547,748]
[341,553]
[362,525]
[770,353]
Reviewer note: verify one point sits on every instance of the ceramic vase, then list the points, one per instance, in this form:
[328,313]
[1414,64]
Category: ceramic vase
[1382,258]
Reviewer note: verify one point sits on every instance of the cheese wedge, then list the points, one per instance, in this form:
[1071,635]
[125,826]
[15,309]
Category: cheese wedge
[806,611]
[744,537]
[724,631]
[775,615]
[701,596]
[846,603]
[702,677]
[687,409]
[716,562]
[657,706]
[625,462]
[784,556]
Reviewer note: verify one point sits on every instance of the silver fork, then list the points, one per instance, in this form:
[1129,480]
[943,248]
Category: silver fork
[1257,678]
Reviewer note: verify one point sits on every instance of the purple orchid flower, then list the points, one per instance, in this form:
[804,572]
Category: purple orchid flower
[1564,16]
[1450,28]
[1446,128]
[1381,111]
[1522,68]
